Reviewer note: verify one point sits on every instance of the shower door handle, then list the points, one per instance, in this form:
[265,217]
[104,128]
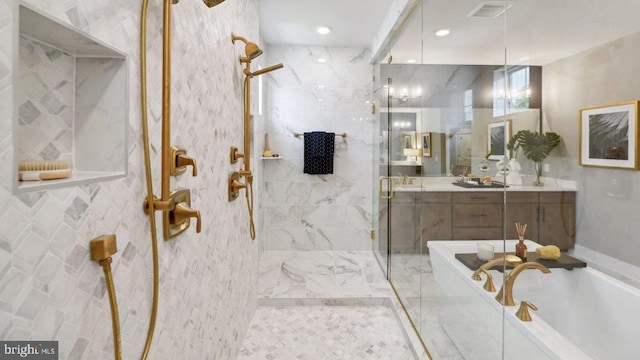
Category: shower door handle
[391,192]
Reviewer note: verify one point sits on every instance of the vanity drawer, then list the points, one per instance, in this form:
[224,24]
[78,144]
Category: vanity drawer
[558,197]
[434,198]
[403,198]
[522,197]
[477,197]
[477,233]
[472,215]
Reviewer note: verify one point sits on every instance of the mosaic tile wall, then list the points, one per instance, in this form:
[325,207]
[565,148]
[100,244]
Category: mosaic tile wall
[45,102]
[319,212]
[49,289]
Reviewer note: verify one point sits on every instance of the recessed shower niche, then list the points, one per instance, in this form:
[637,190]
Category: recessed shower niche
[70,102]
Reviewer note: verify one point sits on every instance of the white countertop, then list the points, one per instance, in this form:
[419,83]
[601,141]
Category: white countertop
[445,184]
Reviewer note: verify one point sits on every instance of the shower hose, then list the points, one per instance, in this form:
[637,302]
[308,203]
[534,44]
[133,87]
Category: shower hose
[115,322]
[147,166]
[249,195]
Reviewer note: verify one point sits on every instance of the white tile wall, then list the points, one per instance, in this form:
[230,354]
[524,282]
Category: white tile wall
[319,212]
[45,102]
[49,289]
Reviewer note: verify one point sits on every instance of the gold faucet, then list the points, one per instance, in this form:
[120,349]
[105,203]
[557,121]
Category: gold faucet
[511,260]
[523,311]
[406,180]
[507,287]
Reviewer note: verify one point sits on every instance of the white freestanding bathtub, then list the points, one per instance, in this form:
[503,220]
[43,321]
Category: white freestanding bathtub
[582,313]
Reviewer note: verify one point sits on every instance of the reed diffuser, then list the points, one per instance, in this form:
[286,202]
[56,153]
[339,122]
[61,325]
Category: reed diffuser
[521,248]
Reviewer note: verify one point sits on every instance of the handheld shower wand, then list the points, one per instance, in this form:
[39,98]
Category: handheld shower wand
[252,51]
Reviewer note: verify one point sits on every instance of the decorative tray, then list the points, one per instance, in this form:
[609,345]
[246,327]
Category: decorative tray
[564,261]
[494,184]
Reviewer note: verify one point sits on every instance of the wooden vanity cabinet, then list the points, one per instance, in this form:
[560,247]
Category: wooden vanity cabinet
[403,222]
[477,215]
[418,217]
[435,215]
[522,207]
[557,214]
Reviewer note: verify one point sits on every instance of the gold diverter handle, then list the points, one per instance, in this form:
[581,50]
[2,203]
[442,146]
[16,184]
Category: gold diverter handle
[391,192]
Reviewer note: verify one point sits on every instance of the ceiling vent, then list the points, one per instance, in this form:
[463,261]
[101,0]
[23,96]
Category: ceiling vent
[489,9]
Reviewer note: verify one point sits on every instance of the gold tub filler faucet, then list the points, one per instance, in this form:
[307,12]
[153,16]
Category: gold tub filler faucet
[509,260]
[510,279]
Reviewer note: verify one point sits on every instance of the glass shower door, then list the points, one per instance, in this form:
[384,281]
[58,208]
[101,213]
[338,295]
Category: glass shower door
[436,110]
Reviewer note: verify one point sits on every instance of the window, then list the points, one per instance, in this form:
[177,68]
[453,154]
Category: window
[468,105]
[517,94]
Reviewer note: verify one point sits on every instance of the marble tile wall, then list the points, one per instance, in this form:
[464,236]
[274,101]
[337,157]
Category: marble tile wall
[100,108]
[49,289]
[319,212]
[45,102]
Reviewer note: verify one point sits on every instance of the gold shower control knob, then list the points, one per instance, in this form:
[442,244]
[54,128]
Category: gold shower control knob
[181,161]
[182,212]
[176,219]
[184,161]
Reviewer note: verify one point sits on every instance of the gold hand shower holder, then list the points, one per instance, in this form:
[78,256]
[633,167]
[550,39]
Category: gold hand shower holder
[252,51]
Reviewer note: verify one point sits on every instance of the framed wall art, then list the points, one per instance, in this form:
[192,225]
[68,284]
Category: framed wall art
[498,135]
[425,144]
[609,136]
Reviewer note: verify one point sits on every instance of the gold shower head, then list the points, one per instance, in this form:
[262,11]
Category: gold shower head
[251,50]
[212,3]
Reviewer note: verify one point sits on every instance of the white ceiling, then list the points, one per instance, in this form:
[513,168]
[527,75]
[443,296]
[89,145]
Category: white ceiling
[293,22]
[539,31]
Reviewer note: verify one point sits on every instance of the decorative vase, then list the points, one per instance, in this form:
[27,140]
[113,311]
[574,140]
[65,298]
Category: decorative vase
[537,166]
[514,177]
[503,167]
[483,166]
[521,250]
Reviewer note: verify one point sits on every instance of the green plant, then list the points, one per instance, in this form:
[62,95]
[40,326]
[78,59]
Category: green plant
[535,146]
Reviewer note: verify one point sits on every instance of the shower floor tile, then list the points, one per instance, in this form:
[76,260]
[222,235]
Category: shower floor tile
[316,286]
[325,332]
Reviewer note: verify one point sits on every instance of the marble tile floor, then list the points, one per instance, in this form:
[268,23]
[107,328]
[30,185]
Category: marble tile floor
[325,332]
[327,305]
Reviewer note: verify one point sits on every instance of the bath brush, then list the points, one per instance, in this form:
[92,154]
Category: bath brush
[43,170]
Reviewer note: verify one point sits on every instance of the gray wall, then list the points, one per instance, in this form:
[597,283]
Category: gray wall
[608,199]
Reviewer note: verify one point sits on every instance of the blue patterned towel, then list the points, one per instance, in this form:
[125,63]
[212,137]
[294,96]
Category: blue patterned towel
[318,152]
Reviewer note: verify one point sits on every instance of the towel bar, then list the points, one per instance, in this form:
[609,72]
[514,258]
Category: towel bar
[344,134]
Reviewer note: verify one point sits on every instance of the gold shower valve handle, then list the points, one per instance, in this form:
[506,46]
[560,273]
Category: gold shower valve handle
[184,161]
[177,219]
[235,154]
[183,212]
[181,161]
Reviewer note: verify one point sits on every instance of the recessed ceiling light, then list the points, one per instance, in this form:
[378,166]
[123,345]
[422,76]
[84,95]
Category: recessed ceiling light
[322,60]
[411,61]
[443,32]
[323,30]
[320,86]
